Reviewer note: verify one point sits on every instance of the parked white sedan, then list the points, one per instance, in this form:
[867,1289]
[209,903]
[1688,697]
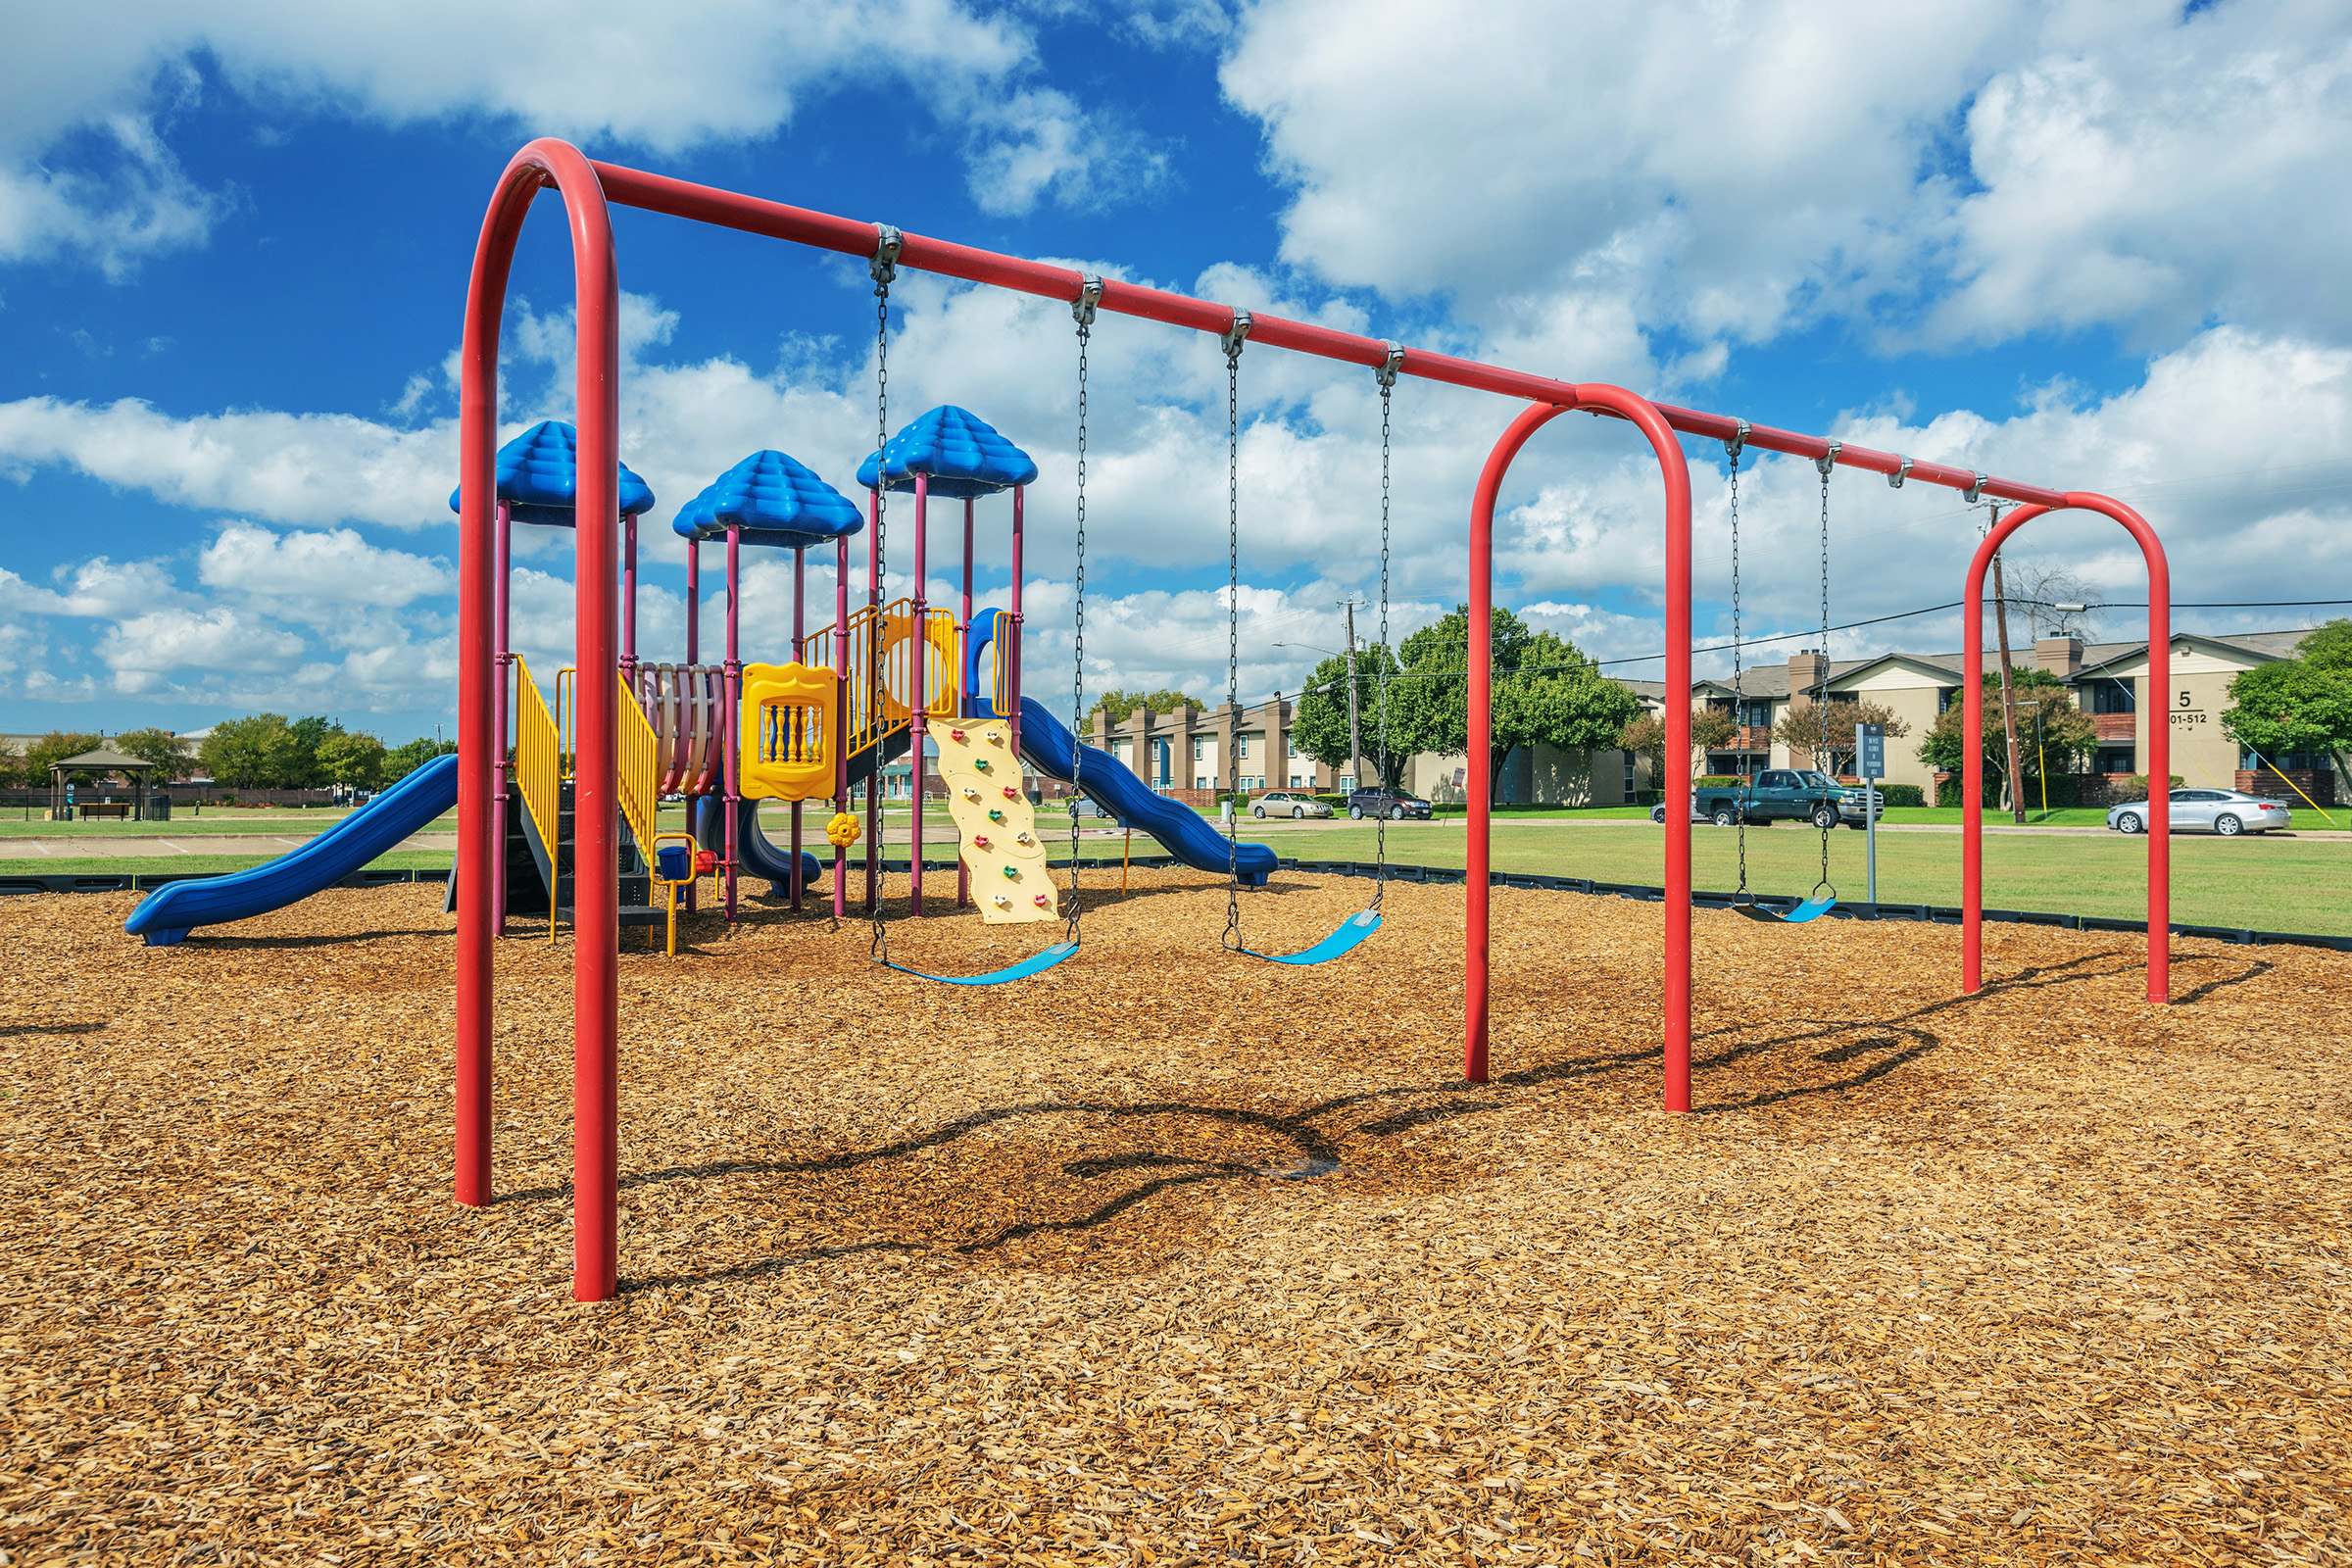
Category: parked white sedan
[1282,803]
[2228,812]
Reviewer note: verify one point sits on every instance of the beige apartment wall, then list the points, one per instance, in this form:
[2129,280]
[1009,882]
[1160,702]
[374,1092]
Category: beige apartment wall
[2194,696]
[1913,698]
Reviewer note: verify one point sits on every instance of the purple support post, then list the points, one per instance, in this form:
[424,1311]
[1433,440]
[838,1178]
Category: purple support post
[690,685]
[1009,652]
[628,605]
[841,721]
[918,667]
[963,662]
[799,605]
[734,698]
[501,767]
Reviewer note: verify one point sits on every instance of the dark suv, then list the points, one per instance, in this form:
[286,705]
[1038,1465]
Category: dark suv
[1395,805]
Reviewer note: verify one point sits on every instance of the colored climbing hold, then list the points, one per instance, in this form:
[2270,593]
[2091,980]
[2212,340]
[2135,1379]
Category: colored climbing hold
[842,829]
[980,763]
[1017,838]
[956,736]
[1012,872]
[995,816]
[1042,902]
[1002,902]
[1012,794]
[979,841]
[971,794]
[995,737]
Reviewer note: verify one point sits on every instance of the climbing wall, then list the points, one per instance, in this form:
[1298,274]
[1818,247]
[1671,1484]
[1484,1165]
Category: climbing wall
[1001,846]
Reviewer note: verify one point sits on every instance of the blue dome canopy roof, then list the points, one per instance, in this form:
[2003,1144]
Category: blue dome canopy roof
[960,453]
[774,500]
[538,473]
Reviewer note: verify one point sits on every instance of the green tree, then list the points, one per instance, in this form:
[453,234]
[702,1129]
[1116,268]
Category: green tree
[2292,706]
[403,760]
[12,764]
[1815,728]
[352,758]
[158,746]
[2328,647]
[2052,733]
[1544,691]
[1319,721]
[303,771]
[1119,704]
[256,752]
[54,747]
[1646,736]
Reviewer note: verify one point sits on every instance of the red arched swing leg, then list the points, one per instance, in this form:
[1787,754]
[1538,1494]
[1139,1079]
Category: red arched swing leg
[1676,471]
[2160,742]
[596,911]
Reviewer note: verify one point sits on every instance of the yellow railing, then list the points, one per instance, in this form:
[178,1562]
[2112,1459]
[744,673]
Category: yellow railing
[539,770]
[1000,654]
[637,760]
[877,715]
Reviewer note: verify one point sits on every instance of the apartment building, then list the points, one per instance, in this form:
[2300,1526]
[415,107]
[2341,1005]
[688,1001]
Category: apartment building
[2113,683]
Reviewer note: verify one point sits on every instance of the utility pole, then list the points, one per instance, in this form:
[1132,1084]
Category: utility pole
[1355,749]
[2000,615]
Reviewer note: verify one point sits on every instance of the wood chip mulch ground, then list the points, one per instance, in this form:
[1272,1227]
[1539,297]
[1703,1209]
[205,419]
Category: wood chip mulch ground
[1169,1257]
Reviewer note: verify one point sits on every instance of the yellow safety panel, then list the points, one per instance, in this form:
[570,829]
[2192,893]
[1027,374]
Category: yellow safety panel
[1000,845]
[787,742]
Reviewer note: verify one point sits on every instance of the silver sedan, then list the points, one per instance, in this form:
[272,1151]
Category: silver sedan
[2228,812]
[1283,802]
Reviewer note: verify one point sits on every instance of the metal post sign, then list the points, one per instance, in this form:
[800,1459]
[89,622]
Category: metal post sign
[1870,750]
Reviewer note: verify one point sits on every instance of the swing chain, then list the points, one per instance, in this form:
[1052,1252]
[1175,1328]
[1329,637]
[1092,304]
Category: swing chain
[1827,462]
[884,269]
[1232,338]
[1082,310]
[1733,448]
[1387,373]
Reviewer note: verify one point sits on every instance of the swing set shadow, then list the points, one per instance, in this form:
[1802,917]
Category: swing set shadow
[1887,1045]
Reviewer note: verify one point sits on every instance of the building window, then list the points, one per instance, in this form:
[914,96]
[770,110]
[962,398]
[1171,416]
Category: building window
[2116,759]
[1755,715]
[1629,775]
[1297,781]
[1241,746]
[1346,783]
[1294,750]
[2109,696]
[1203,781]
[2287,762]
[1199,748]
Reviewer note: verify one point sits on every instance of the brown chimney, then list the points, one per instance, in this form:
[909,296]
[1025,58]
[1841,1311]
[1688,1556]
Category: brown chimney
[2062,657]
[1806,671]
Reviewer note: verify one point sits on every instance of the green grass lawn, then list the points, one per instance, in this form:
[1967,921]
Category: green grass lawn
[185,824]
[2271,884]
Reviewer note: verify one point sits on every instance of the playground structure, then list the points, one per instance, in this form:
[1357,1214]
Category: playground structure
[587,189]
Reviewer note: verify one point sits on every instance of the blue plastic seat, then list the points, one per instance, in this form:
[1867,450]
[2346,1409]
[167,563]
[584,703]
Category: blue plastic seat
[1351,932]
[1036,963]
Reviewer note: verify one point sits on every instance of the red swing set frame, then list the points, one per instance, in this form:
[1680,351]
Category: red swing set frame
[588,191]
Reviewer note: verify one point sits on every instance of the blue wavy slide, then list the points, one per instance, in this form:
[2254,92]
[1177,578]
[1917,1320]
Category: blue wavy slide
[173,910]
[1188,836]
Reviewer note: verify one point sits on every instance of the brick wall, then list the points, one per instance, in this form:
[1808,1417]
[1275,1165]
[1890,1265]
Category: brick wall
[2321,787]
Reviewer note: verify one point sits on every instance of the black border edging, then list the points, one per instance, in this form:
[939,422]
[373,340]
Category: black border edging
[1441,876]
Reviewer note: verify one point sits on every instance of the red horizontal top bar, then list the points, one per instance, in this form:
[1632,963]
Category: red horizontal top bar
[705,204]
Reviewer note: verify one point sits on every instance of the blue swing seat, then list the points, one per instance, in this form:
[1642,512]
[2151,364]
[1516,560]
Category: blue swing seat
[1350,933]
[1812,908]
[1036,963]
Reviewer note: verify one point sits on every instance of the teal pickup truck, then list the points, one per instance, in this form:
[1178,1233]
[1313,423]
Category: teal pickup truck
[1777,794]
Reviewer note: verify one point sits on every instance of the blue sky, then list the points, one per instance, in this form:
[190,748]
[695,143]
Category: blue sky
[2086,245]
